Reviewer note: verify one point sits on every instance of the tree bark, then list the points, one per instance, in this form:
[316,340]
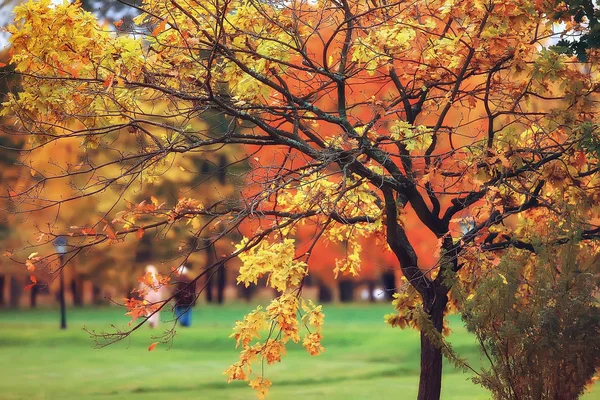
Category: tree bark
[208,289]
[77,292]
[221,280]
[16,288]
[96,295]
[346,287]
[433,292]
[2,289]
[210,259]
[325,295]
[246,292]
[430,381]
[389,285]
[371,289]
[33,296]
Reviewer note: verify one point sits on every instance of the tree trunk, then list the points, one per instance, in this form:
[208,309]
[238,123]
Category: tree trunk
[221,284]
[33,296]
[77,292]
[2,289]
[211,258]
[208,289]
[325,295]
[371,289]
[246,292]
[346,287]
[430,381]
[389,285]
[16,288]
[96,295]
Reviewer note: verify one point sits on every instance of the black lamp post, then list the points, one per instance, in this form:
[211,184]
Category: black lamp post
[60,244]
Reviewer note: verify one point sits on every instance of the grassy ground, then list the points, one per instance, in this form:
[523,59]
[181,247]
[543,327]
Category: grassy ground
[364,359]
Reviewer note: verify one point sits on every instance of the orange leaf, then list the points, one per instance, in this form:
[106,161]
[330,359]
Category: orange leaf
[2,65]
[29,286]
[110,233]
[160,28]
[118,23]
[580,159]
[88,231]
[32,278]
[152,346]
[139,233]
[12,193]
[30,266]
[108,82]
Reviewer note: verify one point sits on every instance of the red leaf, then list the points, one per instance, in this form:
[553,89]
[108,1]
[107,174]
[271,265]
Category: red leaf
[152,346]
[139,233]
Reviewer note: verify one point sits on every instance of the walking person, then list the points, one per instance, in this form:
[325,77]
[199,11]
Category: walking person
[185,297]
[155,295]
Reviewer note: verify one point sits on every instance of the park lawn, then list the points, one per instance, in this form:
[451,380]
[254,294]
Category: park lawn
[364,359]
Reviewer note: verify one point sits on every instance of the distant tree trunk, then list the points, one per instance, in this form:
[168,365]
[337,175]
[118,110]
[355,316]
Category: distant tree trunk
[96,291]
[430,381]
[208,289]
[346,290]
[15,292]
[325,295]
[222,171]
[388,279]
[210,259]
[77,292]
[246,293]
[33,292]
[73,286]
[2,289]
[371,289]
[221,279]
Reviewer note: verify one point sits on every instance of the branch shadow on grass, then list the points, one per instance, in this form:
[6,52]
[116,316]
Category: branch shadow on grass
[284,382]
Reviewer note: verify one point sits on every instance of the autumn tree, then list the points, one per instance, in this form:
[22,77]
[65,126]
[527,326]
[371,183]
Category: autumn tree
[364,119]
[536,317]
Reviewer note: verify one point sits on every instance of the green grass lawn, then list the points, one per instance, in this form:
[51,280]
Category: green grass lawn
[364,359]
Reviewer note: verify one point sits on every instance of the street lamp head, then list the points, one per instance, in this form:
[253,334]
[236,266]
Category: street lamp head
[60,244]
